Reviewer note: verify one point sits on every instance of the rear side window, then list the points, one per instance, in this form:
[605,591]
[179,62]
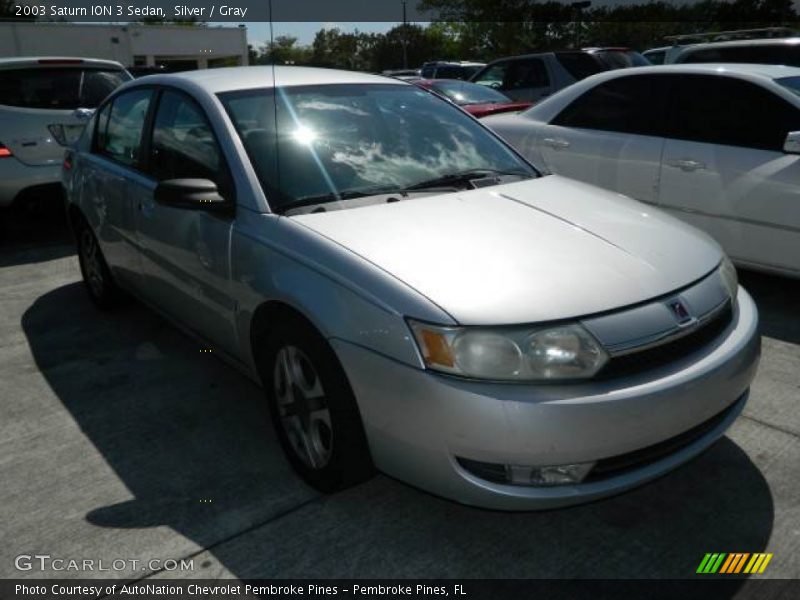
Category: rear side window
[493,75]
[770,54]
[720,110]
[451,72]
[632,104]
[120,126]
[529,73]
[579,64]
[657,57]
[59,88]
[428,71]
[183,145]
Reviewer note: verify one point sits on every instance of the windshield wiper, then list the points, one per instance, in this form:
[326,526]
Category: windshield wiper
[463,177]
[326,198]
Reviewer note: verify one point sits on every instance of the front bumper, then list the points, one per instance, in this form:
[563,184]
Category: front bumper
[418,422]
[16,177]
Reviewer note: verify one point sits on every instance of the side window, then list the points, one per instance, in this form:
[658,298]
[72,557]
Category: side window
[493,76]
[428,71]
[526,74]
[183,145]
[123,133]
[720,110]
[632,104]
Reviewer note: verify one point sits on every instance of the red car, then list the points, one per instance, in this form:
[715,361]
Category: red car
[477,100]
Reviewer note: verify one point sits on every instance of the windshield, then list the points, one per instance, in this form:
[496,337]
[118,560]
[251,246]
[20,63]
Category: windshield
[463,93]
[61,88]
[790,83]
[330,142]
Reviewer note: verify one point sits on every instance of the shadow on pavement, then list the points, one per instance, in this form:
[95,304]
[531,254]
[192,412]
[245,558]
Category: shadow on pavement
[177,427]
[29,235]
[778,301]
[185,433]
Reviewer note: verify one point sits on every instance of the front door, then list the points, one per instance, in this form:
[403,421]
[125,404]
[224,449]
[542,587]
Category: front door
[185,252]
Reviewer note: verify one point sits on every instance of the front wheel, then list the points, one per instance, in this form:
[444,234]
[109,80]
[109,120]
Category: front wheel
[313,408]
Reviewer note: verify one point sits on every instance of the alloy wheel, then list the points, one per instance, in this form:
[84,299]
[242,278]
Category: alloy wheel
[93,268]
[303,407]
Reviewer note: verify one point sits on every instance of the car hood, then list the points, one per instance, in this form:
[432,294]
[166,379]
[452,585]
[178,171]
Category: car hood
[538,250]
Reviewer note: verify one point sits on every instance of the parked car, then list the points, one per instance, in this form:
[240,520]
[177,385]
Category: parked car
[412,294]
[534,76]
[619,57]
[478,100]
[407,74]
[149,70]
[44,106]
[783,51]
[657,56]
[449,69]
[716,145]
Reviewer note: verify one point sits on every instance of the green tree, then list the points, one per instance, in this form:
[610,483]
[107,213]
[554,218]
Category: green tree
[7,12]
[283,50]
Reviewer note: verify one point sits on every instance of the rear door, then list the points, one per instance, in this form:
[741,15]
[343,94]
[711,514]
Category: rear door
[725,172]
[45,106]
[184,251]
[111,173]
[611,136]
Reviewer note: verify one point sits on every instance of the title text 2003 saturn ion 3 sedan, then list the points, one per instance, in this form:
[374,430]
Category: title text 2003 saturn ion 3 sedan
[413,295]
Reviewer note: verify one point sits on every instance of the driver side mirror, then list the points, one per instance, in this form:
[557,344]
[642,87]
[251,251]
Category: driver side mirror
[197,194]
[792,143]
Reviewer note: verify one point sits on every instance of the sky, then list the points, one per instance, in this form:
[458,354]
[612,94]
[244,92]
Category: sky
[258,33]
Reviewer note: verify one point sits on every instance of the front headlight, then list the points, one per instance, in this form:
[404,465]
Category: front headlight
[510,354]
[729,278]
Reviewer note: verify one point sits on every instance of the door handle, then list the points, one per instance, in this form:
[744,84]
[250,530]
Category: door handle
[556,143]
[687,164]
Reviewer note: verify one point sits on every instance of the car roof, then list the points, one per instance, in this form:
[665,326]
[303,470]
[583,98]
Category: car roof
[549,107]
[540,54]
[43,62]
[791,41]
[246,78]
[752,69]
[454,63]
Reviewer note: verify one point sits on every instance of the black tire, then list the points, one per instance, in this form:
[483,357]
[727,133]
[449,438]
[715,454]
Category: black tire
[97,277]
[342,455]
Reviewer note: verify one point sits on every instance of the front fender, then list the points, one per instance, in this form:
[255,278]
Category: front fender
[342,295]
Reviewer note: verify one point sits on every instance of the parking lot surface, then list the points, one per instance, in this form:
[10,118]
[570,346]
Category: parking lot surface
[120,439]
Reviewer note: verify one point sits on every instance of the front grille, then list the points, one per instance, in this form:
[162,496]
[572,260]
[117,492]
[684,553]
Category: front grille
[659,356]
[630,461]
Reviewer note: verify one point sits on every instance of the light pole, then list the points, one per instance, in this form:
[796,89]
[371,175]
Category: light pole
[405,39]
[577,11]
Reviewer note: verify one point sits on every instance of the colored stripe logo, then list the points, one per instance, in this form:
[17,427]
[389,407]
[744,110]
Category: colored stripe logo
[734,562]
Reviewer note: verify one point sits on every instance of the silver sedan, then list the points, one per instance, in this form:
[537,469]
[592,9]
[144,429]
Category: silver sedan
[412,294]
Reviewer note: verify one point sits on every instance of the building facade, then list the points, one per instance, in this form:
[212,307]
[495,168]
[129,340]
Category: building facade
[134,45]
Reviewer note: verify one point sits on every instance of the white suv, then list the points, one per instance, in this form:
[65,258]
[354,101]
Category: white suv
[44,105]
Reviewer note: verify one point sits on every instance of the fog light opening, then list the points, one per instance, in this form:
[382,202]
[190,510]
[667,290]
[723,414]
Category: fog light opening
[548,475]
[528,475]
